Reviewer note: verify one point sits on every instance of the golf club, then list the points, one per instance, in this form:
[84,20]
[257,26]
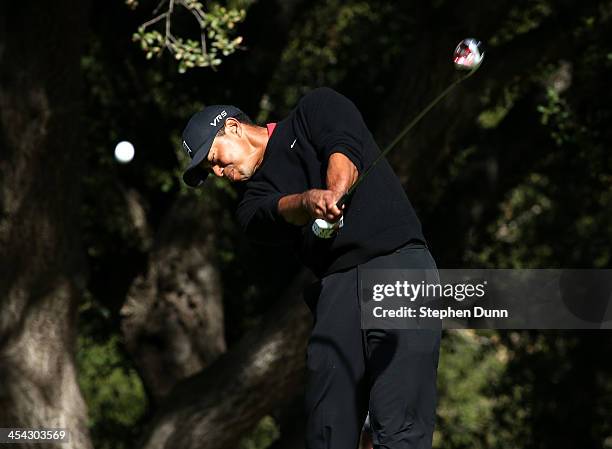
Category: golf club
[468,56]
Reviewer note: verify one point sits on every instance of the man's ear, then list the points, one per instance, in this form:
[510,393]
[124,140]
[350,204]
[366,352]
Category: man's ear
[233,126]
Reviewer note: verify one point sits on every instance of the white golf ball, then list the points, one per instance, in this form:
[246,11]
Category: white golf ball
[124,152]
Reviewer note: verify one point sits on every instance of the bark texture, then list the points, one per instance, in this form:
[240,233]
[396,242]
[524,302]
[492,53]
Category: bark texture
[40,254]
[173,317]
[223,402]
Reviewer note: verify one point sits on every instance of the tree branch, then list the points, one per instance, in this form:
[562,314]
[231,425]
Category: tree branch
[216,26]
[226,400]
[154,20]
[200,18]
[168,17]
[158,7]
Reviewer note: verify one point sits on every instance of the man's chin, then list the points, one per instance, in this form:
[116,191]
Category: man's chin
[240,177]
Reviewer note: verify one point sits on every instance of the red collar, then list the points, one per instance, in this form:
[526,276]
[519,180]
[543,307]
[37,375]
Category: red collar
[270,127]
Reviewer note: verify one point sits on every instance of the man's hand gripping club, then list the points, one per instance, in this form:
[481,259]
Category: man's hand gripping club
[300,208]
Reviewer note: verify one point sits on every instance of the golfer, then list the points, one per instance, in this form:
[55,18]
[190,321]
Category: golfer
[294,172]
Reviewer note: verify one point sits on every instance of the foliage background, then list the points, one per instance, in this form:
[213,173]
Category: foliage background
[522,180]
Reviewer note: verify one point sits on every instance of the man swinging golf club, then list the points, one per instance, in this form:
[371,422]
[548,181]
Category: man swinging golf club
[297,171]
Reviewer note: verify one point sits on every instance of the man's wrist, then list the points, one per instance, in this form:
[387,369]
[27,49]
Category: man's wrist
[302,197]
[293,209]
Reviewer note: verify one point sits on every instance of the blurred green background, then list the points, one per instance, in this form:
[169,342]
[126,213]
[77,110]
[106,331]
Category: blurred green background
[513,170]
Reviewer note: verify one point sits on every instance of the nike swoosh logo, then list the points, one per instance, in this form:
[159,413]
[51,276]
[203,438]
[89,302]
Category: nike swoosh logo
[293,143]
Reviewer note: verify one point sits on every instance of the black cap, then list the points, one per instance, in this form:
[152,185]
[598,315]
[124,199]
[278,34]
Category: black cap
[198,137]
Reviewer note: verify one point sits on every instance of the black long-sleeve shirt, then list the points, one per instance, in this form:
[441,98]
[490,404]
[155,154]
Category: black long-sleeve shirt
[379,217]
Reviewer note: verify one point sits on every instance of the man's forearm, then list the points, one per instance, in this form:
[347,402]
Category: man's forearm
[291,208]
[341,173]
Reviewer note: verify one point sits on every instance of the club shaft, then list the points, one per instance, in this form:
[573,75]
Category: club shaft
[399,137]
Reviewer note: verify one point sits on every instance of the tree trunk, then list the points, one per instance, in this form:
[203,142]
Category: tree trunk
[218,406]
[291,420]
[173,318]
[41,260]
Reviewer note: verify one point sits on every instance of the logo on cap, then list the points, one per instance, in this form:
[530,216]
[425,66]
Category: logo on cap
[187,148]
[218,118]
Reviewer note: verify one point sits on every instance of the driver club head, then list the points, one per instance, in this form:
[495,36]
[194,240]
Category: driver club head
[468,55]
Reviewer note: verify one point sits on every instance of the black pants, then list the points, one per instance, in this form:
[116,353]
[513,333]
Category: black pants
[390,372]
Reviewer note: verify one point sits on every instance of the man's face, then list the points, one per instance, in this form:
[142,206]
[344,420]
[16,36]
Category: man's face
[230,155]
